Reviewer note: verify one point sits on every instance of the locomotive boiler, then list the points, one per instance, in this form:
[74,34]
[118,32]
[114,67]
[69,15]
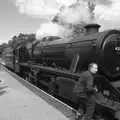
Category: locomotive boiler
[72,55]
[69,56]
[55,63]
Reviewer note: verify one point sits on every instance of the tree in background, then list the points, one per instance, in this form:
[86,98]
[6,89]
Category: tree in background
[2,47]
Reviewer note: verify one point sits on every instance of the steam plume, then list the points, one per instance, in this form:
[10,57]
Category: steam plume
[50,29]
[67,13]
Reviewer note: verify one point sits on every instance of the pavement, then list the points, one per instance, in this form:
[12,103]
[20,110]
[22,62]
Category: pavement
[19,103]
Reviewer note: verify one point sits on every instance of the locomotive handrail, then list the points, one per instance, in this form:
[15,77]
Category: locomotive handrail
[55,71]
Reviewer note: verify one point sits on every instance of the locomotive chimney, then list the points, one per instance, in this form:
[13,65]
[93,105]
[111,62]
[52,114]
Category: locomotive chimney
[92,28]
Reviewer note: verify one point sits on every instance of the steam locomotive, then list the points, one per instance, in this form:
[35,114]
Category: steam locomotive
[55,63]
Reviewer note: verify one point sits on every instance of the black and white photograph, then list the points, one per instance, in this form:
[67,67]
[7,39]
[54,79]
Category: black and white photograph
[60,59]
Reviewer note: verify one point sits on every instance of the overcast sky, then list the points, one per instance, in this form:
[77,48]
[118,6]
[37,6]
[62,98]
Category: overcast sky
[25,15]
[12,22]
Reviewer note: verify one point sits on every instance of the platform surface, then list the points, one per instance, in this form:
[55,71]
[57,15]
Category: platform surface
[19,103]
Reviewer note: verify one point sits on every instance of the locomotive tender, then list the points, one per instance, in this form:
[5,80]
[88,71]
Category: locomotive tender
[56,63]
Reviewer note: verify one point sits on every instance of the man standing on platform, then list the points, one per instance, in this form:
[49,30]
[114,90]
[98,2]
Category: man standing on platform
[85,91]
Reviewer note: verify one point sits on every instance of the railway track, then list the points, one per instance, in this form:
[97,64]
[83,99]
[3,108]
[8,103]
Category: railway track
[65,109]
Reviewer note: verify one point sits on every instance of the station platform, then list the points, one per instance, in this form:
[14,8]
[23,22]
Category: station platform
[17,102]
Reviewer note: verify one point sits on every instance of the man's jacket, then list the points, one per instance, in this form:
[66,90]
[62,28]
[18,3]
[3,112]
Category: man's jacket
[84,85]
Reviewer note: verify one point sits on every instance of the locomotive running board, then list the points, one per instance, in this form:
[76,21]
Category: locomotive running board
[54,71]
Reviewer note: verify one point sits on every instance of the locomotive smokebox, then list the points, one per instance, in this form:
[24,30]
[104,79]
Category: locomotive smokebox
[92,28]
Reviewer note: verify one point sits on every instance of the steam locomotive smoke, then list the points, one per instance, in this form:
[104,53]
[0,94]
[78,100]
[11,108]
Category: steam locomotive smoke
[75,13]
[67,18]
[67,13]
[50,29]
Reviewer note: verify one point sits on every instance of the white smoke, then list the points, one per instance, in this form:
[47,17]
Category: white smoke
[108,15]
[47,9]
[76,13]
[107,12]
[50,29]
